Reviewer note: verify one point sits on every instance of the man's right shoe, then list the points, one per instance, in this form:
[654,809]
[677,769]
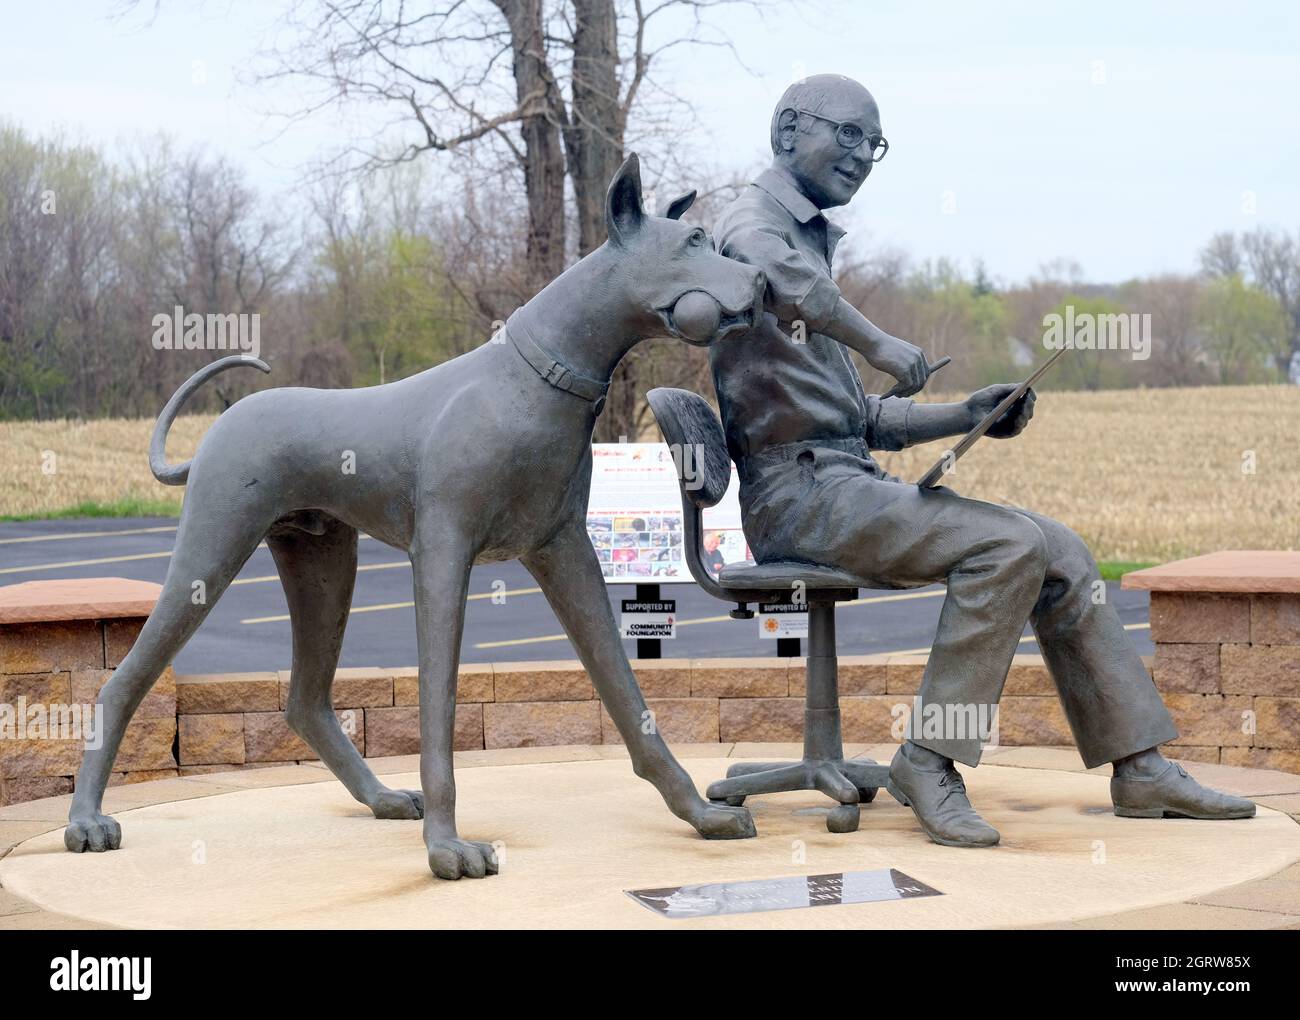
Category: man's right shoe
[1174,794]
[928,784]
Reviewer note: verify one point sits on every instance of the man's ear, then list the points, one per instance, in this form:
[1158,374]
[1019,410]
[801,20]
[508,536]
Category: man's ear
[623,211]
[679,205]
[786,127]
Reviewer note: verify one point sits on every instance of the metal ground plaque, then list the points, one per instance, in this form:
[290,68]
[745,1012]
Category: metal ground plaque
[713,898]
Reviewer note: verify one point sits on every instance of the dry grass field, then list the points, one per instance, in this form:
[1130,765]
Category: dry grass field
[49,468]
[1141,475]
[1147,475]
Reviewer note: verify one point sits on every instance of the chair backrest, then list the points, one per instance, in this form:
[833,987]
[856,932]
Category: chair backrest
[699,448]
[694,434]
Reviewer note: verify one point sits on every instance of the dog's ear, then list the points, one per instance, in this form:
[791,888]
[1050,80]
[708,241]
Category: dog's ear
[624,213]
[679,205]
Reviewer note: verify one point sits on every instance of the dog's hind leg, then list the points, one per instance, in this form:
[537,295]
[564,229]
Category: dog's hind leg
[569,575]
[318,569]
[204,561]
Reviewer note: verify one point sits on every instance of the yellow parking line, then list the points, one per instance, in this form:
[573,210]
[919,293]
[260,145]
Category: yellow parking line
[365,566]
[402,605]
[718,619]
[145,556]
[1023,640]
[712,619]
[86,534]
[86,563]
[527,640]
[897,598]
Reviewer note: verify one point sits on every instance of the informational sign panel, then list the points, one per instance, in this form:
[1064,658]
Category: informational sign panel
[634,517]
[782,620]
[762,894]
[649,619]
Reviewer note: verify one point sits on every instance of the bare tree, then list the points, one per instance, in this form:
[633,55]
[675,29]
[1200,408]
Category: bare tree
[1221,256]
[539,88]
[1275,267]
[1269,259]
[1178,356]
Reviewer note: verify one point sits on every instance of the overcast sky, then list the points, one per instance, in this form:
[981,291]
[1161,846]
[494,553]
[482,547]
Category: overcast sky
[1118,134]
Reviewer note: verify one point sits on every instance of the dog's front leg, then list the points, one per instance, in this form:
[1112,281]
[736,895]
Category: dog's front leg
[441,561]
[569,574]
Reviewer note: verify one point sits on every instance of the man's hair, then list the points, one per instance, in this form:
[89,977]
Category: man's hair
[808,94]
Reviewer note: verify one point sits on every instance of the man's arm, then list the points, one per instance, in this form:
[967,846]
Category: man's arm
[799,291]
[905,362]
[927,422]
[895,423]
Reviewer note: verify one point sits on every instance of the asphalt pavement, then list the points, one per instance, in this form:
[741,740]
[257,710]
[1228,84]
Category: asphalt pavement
[248,629]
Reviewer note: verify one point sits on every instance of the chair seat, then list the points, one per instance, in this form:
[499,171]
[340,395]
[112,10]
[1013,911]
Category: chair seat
[781,575]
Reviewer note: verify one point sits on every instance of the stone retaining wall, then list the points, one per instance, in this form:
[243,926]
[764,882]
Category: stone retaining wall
[237,721]
[200,724]
[65,663]
[1226,627]
[1230,665]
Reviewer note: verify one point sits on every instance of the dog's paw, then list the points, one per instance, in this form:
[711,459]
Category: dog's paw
[718,821]
[456,858]
[398,804]
[92,832]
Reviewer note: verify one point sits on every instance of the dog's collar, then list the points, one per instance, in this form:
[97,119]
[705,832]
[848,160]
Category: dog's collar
[554,371]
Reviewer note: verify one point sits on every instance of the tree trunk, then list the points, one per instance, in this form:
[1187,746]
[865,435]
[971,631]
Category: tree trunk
[544,116]
[594,137]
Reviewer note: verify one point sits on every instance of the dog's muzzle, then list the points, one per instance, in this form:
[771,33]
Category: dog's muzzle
[699,318]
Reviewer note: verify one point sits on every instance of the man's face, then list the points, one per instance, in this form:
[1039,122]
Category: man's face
[711,541]
[827,172]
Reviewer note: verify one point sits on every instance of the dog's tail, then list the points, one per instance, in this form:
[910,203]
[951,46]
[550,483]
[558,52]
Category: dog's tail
[175,474]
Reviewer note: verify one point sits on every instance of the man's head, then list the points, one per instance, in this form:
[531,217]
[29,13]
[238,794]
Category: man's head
[824,132]
[711,541]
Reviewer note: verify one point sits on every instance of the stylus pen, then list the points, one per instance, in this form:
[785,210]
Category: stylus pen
[933,368]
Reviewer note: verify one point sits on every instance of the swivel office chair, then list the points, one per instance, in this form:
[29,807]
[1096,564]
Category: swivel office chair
[693,431]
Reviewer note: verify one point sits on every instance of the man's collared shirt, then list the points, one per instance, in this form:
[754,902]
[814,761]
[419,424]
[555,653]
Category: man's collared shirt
[772,388]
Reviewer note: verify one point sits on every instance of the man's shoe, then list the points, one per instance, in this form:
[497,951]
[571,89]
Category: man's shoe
[1174,794]
[935,792]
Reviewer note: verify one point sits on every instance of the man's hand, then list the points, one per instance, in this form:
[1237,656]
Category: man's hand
[905,362]
[982,402]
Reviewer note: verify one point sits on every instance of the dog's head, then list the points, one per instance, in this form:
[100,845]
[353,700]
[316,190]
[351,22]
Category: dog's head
[677,284]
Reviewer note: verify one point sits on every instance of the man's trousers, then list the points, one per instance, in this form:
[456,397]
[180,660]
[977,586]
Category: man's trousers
[828,502]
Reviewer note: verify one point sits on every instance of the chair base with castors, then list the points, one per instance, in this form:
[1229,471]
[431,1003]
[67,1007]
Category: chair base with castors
[841,780]
[693,431]
[851,782]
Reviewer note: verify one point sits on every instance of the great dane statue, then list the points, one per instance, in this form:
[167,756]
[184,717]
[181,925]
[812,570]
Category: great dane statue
[483,458]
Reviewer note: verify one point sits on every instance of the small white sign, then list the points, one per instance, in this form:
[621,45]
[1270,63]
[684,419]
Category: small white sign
[634,517]
[782,620]
[649,619]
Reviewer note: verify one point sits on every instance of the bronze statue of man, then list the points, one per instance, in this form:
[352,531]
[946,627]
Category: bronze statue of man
[800,427]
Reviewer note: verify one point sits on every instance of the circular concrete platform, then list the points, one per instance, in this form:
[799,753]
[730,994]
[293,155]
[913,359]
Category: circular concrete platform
[577,834]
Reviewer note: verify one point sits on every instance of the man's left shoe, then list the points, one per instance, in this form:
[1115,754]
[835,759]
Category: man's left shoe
[1174,794]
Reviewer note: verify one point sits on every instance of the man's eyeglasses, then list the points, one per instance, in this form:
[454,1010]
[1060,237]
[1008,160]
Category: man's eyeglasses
[850,135]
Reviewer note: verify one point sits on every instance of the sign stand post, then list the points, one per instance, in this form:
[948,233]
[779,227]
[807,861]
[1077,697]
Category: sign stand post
[648,648]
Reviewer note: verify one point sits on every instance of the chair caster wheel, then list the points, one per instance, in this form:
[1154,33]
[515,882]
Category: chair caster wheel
[866,794]
[734,801]
[843,818]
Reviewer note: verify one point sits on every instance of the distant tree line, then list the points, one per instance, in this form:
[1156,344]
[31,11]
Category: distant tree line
[370,278]
[1235,321]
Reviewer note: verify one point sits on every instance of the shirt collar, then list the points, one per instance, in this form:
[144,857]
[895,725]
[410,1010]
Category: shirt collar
[779,184]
